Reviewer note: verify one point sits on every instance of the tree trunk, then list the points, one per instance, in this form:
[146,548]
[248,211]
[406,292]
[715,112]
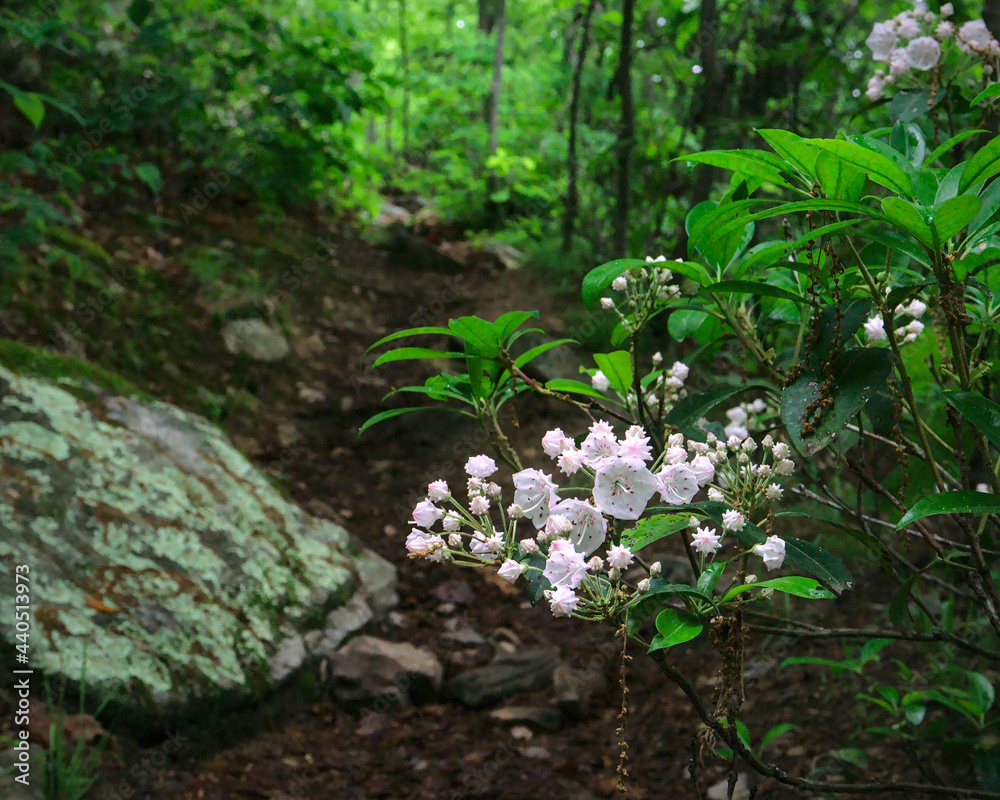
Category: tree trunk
[404,57]
[709,100]
[572,167]
[626,133]
[493,122]
[490,12]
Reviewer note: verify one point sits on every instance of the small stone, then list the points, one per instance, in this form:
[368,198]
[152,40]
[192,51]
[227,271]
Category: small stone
[574,689]
[460,634]
[526,671]
[458,592]
[538,717]
[255,338]
[521,733]
[536,752]
[374,673]
[446,609]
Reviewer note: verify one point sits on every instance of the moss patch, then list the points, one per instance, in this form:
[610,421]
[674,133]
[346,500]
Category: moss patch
[37,362]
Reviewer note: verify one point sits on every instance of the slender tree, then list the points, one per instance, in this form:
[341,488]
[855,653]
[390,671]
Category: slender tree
[572,166]
[404,59]
[493,121]
[626,132]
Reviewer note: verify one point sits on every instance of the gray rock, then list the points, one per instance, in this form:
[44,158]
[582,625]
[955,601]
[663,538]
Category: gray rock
[160,558]
[538,717]
[458,633]
[374,673]
[256,338]
[504,677]
[574,689]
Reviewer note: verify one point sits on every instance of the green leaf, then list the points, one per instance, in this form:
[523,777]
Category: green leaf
[952,215]
[903,214]
[980,411]
[382,416]
[149,174]
[138,10]
[600,278]
[410,353]
[960,502]
[793,585]
[537,582]
[675,627]
[993,90]
[755,163]
[652,529]
[775,732]
[507,323]
[752,288]
[839,179]
[945,146]
[409,332]
[688,410]
[31,105]
[912,103]
[984,164]
[876,166]
[857,375]
[654,598]
[899,607]
[570,386]
[710,576]
[683,323]
[530,355]
[481,337]
[617,368]
[793,148]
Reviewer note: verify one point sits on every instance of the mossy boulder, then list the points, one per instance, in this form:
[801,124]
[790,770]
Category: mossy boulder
[165,568]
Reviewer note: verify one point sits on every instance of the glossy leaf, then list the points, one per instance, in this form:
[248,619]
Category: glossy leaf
[757,163]
[984,164]
[857,376]
[654,598]
[689,409]
[570,386]
[410,332]
[617,368]
[980,411]
[993,90]
[652,529]
[793,148]
[793,585]
[960,502]
[411,353]
[752,288]
[600,278]
[674,627]
[876,166]
[947,145]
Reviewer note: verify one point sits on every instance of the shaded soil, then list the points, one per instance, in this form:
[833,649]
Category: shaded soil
[298,420]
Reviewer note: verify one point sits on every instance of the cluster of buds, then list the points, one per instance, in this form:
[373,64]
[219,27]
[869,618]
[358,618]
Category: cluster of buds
[660,391]
[743,417]
[622,477]
[913,42]
[875,326]
[640,290]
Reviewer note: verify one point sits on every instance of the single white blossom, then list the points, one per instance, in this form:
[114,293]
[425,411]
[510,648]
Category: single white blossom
[426,514]
[528,546]
[975,36]
[733,520]
[511,570]
[607,303]
[772,551]
[620,283]
[881,41]
[947,10]
[535,493]
[785,467]
[555,442]
[773,492]
[570,461]
[565,565]
[677,484]
[562,601]
[600,382]
[588,527]
[706,541]
[875,329]
[643,586]
[438,491]
[622,488]
[923,53]
[452,521]
[619,557]
[479,505]
[480,467]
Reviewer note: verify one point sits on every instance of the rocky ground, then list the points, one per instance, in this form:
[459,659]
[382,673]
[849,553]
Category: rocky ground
[538,722]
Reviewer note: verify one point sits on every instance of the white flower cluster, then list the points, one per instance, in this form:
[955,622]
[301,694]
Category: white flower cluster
[913,40]
[662,389]
[875,326]
[568,531]
[743,417]
[641,287]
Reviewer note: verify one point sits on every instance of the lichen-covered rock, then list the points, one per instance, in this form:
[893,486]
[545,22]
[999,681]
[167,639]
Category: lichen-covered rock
[163,564]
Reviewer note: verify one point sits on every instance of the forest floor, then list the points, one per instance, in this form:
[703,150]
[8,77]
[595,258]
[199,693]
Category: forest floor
[298,420]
